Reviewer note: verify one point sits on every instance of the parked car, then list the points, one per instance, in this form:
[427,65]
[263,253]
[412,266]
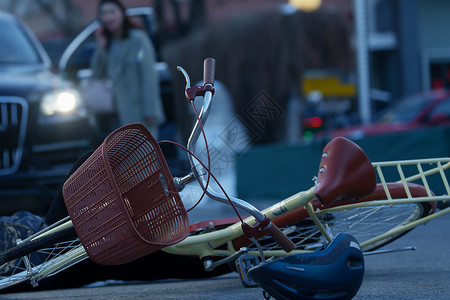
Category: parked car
[44,126]
[422,110]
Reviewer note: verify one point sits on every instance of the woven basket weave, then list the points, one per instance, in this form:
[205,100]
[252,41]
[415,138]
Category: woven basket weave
[122,201]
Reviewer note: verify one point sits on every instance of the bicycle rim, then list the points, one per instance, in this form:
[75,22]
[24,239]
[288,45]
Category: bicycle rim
[41,264]
[364,223]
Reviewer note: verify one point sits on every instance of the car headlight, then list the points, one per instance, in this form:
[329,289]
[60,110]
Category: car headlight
[60,102]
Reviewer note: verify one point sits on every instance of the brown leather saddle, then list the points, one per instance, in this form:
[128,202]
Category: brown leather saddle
[345,172]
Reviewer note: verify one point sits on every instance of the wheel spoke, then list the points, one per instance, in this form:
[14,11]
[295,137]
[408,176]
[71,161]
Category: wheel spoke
[15,271]
[364,223]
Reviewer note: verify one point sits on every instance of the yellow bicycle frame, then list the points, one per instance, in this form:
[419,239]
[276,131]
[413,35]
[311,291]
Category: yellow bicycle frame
[205,244]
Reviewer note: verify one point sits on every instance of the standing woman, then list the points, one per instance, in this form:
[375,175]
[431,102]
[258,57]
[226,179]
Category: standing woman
[126,56]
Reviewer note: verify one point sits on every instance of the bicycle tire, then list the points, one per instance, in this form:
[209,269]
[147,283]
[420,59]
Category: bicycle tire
[306,235]
[43,256]
[34,245]
[364,223]
[378,219]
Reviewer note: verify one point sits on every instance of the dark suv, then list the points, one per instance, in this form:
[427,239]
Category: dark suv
[43,124]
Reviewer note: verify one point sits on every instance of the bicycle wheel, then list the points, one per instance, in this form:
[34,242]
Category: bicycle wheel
[364,223]
[369,222]
[38,257]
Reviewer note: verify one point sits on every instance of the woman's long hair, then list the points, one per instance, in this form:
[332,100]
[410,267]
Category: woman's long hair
[127,24]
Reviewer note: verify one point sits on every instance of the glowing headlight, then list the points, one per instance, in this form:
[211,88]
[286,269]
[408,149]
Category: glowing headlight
[60,102]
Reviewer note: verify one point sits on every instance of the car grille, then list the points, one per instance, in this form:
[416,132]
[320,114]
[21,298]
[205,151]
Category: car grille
[13,124]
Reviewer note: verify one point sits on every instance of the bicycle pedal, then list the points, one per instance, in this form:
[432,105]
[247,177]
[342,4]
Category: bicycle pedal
[243,264]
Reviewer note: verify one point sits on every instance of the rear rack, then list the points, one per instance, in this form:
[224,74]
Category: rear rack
[431,173]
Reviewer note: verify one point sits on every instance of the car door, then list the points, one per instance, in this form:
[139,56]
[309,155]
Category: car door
[78,54]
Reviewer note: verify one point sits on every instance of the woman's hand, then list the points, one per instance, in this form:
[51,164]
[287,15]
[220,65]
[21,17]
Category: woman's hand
[151,121]
[100,36]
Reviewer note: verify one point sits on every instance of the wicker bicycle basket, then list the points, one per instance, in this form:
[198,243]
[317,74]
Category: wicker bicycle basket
[122,200]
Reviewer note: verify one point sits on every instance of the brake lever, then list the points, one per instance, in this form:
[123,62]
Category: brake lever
[186,76]
[192,92]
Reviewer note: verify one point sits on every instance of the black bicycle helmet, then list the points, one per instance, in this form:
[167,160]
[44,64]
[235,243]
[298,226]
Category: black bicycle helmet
[334,271]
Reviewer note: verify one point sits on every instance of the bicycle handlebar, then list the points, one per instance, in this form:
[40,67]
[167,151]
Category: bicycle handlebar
[272,230]
[209,71]
[280,237]
[209,66]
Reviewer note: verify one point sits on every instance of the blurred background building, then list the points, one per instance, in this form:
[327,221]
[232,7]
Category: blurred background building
[407,46]
[293,69]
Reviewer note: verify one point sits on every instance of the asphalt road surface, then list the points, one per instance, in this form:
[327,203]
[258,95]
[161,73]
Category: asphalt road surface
[420,274]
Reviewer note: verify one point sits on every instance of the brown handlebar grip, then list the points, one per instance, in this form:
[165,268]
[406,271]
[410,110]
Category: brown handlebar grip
[209,70]
[280,237]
